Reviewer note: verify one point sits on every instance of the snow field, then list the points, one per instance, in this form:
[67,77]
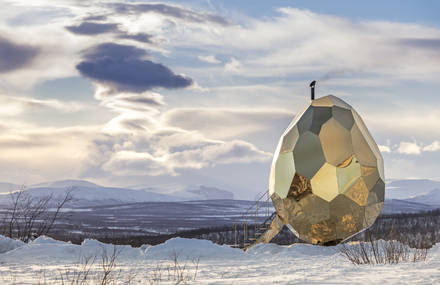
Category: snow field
[44,260]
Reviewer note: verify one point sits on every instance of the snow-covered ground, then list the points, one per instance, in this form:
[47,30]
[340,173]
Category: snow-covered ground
[46,261]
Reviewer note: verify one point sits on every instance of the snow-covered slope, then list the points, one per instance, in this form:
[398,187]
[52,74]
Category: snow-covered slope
[8,187]
[202,262]
[65,183]
[395,206]
[193,193]
[431,198]
[410,188]
[86,196]
[8,244]
[204,193]
[86,193]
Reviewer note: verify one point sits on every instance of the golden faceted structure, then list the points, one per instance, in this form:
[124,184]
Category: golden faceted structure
[327,175]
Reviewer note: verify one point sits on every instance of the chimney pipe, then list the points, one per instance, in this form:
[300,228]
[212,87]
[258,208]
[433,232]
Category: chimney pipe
[312,90]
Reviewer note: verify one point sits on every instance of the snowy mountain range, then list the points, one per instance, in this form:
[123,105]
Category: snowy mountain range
[7,187]
[431,198]
[411,195]
[86,193]
[410,188]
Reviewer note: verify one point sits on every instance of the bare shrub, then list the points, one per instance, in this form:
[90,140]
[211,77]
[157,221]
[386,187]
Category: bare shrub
[108,265]
[155,276]
[29,217]
[174,271]
[180,272]
[89,271]
[79,275]
[381,252]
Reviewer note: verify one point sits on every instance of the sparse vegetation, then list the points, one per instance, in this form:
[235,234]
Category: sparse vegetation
[29,217]
[418,230]
[103,269]
[381,252]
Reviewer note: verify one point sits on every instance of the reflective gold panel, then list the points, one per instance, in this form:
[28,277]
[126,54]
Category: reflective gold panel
[325,182]
[327,175]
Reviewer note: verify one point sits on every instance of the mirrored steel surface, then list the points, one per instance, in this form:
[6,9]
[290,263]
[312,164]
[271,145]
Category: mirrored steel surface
[327,175]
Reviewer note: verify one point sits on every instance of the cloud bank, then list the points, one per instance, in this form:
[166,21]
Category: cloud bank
[14,56]
[91,28]
[124,68]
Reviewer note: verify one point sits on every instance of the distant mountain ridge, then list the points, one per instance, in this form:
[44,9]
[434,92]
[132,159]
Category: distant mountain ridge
[8,187]
[401,195]
[86,193]
[431,198]
[395,206]
[410,188]
[66,183]
[208,192]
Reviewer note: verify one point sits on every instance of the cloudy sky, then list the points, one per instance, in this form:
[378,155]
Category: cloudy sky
[197,92]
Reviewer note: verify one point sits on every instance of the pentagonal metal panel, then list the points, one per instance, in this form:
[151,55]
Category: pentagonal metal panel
[336,142]
[343,116]
[308,155]
[325,182]
[289,140]
[320,116]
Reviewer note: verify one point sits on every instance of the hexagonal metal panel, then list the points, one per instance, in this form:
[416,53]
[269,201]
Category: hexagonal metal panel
[343,116]
[325,182]
[336,142]
[308,153]
[327,174]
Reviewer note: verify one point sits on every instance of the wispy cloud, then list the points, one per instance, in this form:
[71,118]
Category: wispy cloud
[233,65]
[384,148]
[169,10]
[14,105]
[209,58]
[409,148]
[435,146]
[413,148]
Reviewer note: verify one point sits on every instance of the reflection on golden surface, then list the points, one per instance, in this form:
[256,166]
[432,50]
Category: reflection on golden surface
[327,180]
[349,223]
[299,187]
[358,192]
[348,175]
